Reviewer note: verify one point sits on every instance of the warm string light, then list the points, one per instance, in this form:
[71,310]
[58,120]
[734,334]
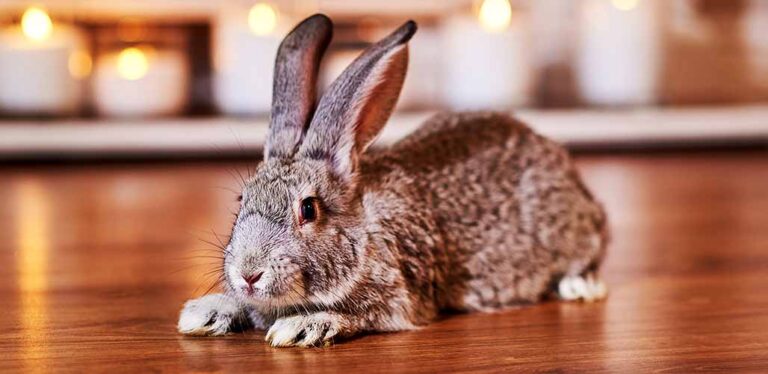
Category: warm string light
[495,15]
[132,64]
[36,24]
[625,5]
[262,18]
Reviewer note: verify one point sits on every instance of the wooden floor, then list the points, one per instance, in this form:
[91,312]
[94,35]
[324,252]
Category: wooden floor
[97,260]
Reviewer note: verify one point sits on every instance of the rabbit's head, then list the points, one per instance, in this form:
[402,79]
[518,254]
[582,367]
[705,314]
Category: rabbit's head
[299,237]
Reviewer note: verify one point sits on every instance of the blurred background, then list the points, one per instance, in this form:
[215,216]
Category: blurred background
[89,78]
[128,128]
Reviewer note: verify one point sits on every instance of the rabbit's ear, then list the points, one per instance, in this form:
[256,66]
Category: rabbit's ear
[293,89]
[358,104]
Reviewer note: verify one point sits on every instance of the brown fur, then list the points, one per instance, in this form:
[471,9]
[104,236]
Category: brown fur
[472,212]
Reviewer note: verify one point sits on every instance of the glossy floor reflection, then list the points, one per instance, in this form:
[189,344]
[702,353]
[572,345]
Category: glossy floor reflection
[97,261]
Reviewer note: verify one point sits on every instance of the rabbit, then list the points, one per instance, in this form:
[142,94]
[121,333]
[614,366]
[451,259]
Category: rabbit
[472,212]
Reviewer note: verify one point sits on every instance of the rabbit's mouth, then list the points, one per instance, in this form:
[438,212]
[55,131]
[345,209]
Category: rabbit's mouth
[278,285]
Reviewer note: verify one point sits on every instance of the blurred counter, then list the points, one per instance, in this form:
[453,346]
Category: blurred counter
[232,137]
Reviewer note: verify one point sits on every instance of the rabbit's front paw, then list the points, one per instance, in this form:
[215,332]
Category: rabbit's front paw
[313,330]
[210,315]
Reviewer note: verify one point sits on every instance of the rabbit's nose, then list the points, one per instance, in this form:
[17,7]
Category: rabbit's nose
[253,278]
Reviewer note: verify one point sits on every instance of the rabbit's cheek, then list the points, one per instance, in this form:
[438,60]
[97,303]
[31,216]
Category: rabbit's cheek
[286,287]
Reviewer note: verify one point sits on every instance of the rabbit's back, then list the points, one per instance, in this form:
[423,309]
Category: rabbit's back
[512,214]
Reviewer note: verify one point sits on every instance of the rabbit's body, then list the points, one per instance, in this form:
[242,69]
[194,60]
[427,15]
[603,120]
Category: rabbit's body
[481,213]
[472,212]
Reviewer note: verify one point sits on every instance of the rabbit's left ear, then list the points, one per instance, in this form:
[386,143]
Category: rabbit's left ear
[357,105]
[293,93]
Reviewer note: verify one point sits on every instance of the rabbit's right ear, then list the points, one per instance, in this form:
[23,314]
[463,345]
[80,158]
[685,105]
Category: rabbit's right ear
[293,89]
[354,109]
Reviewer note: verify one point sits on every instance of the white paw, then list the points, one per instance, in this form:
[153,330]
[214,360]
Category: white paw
[587,288]
[209,315]
[305,331]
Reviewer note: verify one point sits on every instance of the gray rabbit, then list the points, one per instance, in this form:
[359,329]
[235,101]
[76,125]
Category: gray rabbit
[471,212]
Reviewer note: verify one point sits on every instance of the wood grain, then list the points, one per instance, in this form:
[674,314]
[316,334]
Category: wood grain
[97,260]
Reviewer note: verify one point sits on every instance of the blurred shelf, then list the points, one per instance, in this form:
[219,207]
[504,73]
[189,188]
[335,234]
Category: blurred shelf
[227,137]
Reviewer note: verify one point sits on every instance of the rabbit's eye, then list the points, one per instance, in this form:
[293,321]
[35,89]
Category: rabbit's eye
[308,210]
[239,197]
